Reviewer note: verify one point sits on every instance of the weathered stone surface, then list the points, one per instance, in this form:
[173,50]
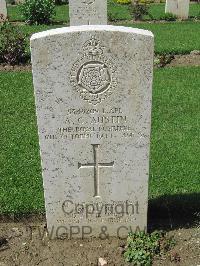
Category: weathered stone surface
[88,12]
[180,8]
[93,98]
[3,10]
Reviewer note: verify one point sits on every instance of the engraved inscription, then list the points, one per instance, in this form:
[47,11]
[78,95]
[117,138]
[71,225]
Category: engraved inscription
[93,75]
[102,123]
[96,165]
[87,7]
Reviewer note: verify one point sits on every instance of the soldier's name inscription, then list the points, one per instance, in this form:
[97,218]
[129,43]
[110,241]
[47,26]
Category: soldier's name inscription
[102,123]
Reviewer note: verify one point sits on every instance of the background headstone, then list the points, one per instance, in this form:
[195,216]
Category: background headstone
[180,8]
[93,98]
[88,12]
[3,10]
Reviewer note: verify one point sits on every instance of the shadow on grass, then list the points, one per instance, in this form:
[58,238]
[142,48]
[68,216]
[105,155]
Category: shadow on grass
[174,211]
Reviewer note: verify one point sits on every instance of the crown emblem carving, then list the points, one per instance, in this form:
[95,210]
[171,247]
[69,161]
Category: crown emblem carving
[92,47]
[93,75]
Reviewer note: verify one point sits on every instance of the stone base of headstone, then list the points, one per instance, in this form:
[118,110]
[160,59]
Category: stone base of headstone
[180,8]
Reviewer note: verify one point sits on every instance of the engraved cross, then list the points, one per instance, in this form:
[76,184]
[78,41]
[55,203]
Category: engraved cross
[96,165]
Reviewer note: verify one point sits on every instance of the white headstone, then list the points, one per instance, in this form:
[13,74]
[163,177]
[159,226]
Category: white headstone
[93,98]
[88,12]
[180,8]
[3,10]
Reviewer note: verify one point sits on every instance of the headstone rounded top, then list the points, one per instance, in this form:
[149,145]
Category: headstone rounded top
[88,28]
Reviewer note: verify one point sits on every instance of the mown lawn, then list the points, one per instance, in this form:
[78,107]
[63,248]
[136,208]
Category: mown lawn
[20,174]
[115,12]
[175,143]
[176,38]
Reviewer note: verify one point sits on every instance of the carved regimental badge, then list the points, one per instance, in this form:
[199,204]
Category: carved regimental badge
[93,75]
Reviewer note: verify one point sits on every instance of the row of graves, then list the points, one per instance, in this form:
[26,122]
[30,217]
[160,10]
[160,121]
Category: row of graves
[180,8]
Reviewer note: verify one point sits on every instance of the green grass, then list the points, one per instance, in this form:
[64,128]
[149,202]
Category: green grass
[115,12]
[175,143]
[20,173]
[62,13]
[14,13]
[118,12]
[176,38]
